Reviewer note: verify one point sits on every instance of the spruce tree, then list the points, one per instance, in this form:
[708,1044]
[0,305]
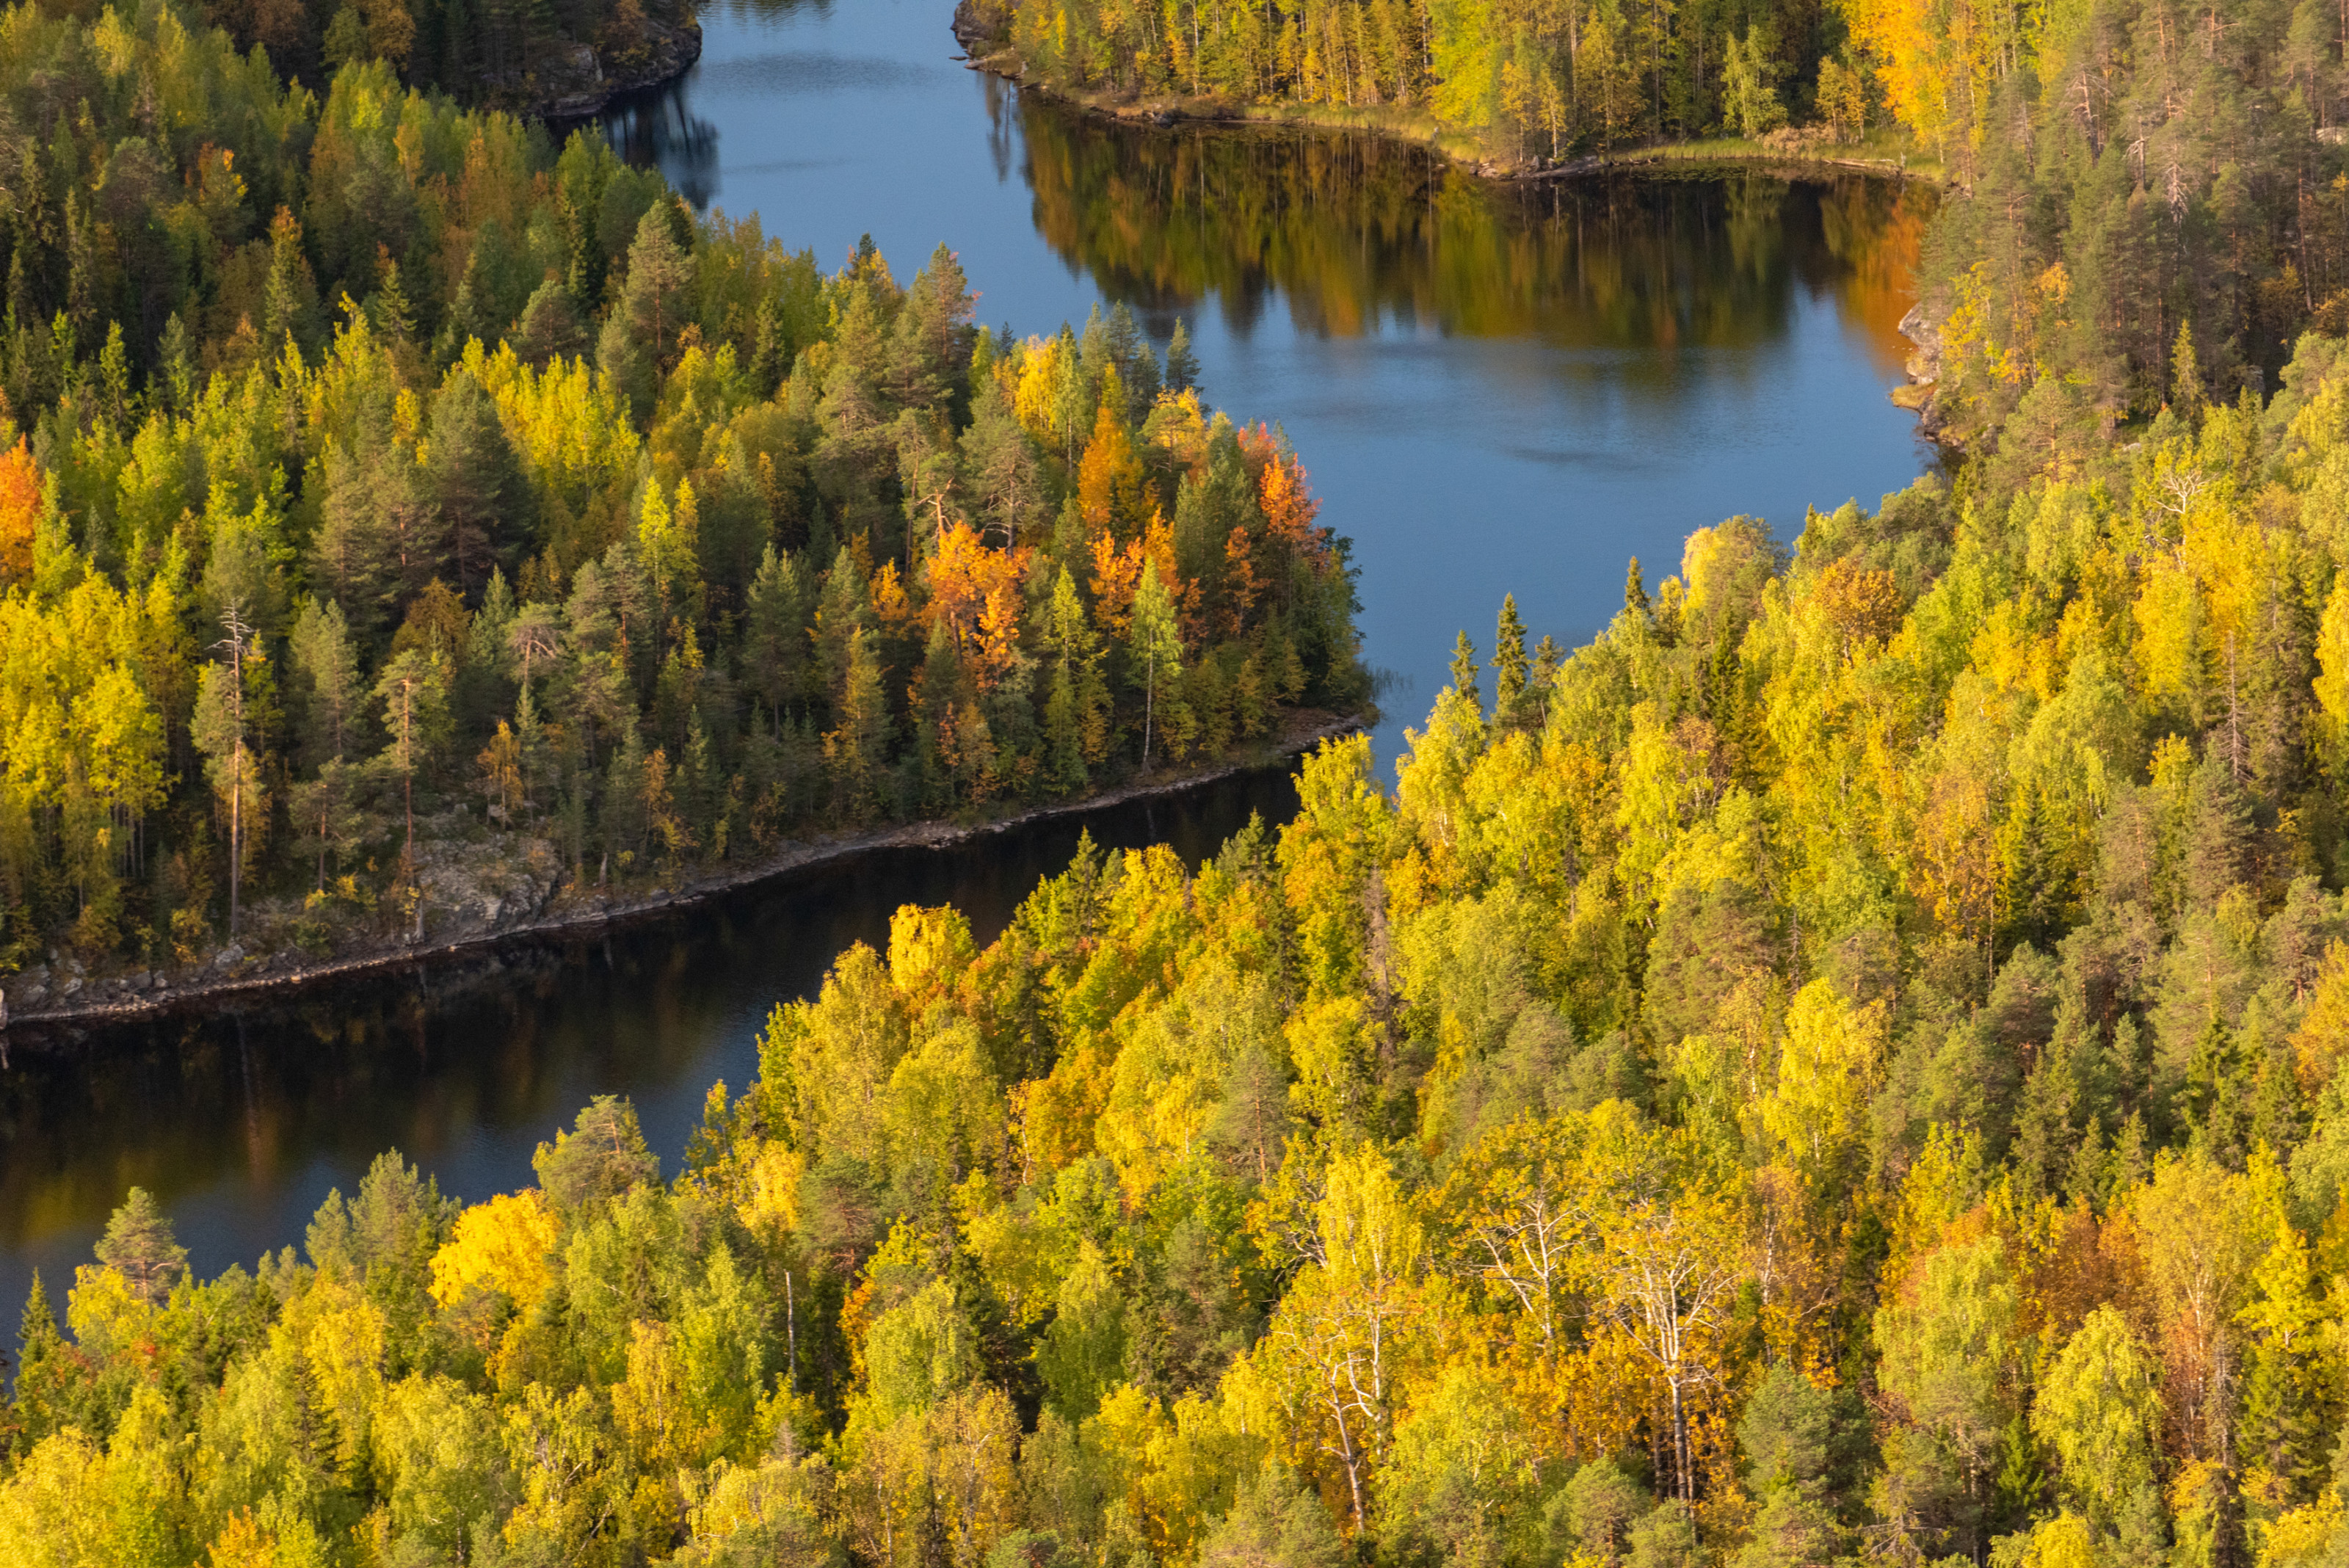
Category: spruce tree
[1182,364]
[1509,661]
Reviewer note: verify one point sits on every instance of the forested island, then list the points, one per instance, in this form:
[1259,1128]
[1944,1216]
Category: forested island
[1851,1064]
[403,513]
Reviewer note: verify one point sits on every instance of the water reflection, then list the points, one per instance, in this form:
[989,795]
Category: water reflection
[1357,235]
[658,129]
[240,1121]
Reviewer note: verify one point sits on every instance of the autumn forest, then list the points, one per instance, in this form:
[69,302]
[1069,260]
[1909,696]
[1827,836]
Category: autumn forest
[1848,1065]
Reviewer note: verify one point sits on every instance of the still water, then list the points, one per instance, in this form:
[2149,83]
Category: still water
[1497,390]
[242,1121]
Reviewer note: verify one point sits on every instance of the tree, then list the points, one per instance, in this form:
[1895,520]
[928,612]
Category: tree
[413,689]
[1084,1351]
[1345,1329]
[1181,365]
[1787,1435]
[857,748]
[1463,1475]
[2099,1408]
[139,1245]
[1664,1266]
[327,691]
[602,1157]
[1749,94]
[1509,663]
[21,505]
[549,327]
[222,729]
[1947,1346]
[485,503]
[1274,1522]
[1463,672]
[327,811]
[1511,1203]
[658,274]
[1153,649]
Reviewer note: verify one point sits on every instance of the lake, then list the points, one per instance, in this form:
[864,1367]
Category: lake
[1495,388]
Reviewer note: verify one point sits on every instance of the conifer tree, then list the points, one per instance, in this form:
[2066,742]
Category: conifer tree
[139,1245]
[1509,661]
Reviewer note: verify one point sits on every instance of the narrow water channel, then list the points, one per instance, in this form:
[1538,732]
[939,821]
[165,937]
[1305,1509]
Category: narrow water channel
[241,1120]
[1495,389]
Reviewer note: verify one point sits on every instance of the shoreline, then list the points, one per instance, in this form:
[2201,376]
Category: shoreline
[994,57]
[607,907]
[582,91]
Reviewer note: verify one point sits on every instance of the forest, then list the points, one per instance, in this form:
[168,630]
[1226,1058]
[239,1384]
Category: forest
[555,54]
[2134,167]
[1852,1064]
[377,473]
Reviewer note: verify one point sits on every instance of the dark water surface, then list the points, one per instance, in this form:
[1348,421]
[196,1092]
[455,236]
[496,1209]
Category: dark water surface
[242,1121]
[1495,389]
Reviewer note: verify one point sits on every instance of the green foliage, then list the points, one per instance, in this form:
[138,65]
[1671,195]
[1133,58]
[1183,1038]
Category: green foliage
[778,554]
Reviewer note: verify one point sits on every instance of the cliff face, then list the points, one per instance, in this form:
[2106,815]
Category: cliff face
[578,82]
[1924,369]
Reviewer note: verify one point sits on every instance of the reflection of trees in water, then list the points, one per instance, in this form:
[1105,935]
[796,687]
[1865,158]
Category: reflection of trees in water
[772,10]
[1002,122]
[1354,231]
[656,128]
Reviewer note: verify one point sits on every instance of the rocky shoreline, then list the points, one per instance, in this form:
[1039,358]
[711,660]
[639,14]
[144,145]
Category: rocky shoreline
[578,82]
[1924,372]
[468,907]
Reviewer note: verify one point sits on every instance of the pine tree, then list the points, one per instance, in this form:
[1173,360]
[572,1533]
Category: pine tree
[139,1245]
[857,748]
[658,274]
[53,1378]
[485,503]
[413,689]
[1635,591]
[326,692]
[224,729]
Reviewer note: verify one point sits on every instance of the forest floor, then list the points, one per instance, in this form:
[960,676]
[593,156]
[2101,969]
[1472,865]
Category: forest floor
[1880,154]
[487,886]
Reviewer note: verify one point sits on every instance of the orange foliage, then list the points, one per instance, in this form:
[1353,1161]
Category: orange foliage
[1108,476]
[1117,573]
[1289,509]
[975,594]
[890,602]
[1240,580]
[20,512]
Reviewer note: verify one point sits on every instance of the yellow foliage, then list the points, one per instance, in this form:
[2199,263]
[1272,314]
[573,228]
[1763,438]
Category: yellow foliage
[505,1245]
[1827,1069]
